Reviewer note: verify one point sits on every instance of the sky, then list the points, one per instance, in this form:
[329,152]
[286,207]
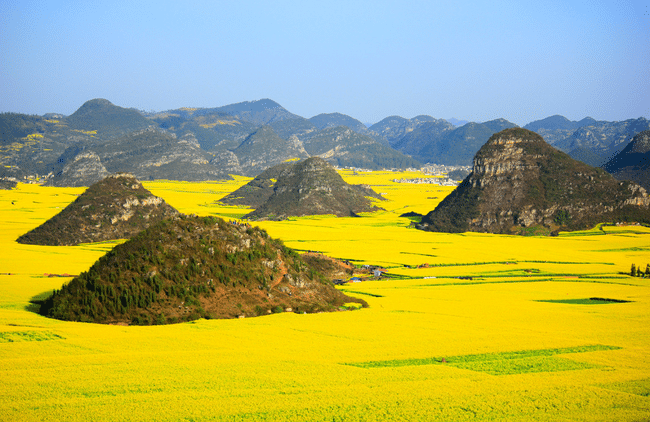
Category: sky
[472,60]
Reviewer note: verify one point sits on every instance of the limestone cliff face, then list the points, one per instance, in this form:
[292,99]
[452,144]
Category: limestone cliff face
[519,181]
[117,207]
[83,169]
[264,149]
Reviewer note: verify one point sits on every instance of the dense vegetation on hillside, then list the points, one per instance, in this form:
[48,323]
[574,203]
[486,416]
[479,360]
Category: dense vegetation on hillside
[187,268]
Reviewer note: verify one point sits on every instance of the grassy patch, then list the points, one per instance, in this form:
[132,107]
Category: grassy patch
[16,336]
[505,363]
[639,387]
[360,293]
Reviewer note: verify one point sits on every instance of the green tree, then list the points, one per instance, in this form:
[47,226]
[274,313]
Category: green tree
[633,270]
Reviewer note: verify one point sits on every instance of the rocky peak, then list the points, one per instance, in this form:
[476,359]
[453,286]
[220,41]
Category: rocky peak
[312,187]
[520,182]
[116,207]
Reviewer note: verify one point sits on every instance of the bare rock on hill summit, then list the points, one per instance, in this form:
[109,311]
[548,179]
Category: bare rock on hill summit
[520,184]
[313,187]
[83,169]
[116,207]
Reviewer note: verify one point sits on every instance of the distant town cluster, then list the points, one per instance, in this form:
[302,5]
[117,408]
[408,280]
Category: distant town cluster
[440,181]
[442,169]
[443,175]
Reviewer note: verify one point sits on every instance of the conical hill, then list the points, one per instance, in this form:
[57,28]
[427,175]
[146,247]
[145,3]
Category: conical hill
[520,184]
[633,162]
[116,207]
[184,268]
[313,187]
[257,191]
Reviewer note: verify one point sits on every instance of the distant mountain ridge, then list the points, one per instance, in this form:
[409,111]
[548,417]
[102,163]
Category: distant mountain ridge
[588,140]
[633,163]
[440,142]
[212,143]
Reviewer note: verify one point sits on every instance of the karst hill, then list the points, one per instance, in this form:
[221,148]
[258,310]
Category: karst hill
[633,163]
[312,187]
[184,268]
[116,207]
[256,192]
[519,184]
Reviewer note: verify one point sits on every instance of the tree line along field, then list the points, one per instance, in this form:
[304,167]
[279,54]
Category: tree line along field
[462,326]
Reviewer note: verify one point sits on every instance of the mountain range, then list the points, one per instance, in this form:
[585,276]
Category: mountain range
[248,137]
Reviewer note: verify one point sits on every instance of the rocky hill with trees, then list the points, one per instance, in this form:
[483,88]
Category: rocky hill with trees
[313,187]
[256,192]
[184,268]
[117,207]
[520,184]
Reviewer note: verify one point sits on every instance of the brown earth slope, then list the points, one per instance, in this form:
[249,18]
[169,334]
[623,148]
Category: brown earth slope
[184,268]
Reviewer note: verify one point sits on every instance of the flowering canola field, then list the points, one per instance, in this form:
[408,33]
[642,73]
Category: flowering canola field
[462,327]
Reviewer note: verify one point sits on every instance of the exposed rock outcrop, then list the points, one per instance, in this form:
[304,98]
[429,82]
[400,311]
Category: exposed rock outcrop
[117,207]
[83,169]
[520,182]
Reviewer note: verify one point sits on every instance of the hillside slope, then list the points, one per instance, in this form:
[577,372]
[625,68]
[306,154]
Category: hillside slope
[520,182]
[185,268]
[633,163]
[312,187]
[117,207]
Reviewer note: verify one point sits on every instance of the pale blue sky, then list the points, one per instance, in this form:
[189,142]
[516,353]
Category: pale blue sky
[369,59]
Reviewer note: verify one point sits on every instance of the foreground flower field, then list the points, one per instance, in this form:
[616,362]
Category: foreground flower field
[463,327]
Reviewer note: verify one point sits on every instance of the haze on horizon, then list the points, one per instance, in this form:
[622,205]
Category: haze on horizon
[472,60]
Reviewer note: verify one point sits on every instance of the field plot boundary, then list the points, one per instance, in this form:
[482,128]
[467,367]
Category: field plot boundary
[503,363]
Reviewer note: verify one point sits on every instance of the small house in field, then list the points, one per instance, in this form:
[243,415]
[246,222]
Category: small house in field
[355,280]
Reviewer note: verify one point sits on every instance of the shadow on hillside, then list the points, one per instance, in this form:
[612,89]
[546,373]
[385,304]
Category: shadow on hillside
[36,301]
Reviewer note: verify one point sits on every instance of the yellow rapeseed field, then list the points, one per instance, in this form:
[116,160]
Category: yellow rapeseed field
[461,327]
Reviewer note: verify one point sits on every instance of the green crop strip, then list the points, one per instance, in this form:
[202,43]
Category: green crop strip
[505,363]
[589,301]
[16,336]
